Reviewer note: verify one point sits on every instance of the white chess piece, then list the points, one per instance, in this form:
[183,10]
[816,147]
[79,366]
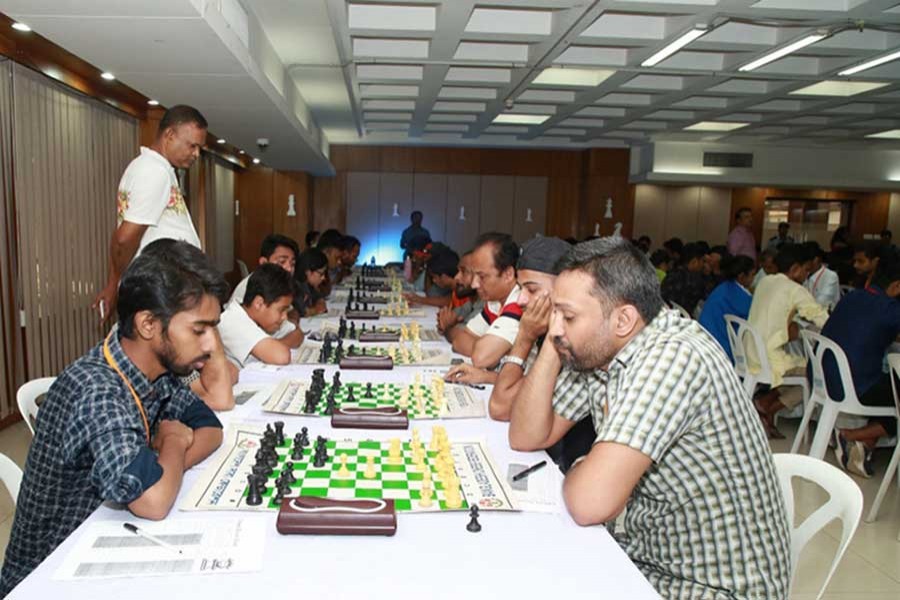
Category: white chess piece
[618,230]
[462,213]
[528,218]
[608,214]
[596,229]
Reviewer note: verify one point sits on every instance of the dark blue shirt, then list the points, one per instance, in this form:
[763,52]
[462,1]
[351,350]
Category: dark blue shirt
[864,324]
[729,298]
[90,446]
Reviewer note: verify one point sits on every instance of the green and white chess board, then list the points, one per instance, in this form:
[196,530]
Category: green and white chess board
[224,486]
[412,329]
[419,400]
[403,354]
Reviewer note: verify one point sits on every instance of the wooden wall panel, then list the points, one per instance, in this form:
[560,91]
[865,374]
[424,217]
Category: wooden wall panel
[870,214]
[463,191]
[682,205]
[597,190]
[395,189]
[430,197]
[650,213]
[362,209]
[329,202]
[286,183]
[714,215]
[255,194]
[398,159]
[563,201]
[497,203]
[530,200]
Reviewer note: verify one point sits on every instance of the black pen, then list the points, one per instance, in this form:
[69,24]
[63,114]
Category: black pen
[529,470]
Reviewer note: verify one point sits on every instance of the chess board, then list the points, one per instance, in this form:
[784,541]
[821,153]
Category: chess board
[458,401]
[224,484]
[308,354]
[397,311]
[425,334]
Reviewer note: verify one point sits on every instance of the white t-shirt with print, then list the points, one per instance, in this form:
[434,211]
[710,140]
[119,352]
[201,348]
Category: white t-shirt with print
[240,334]
[505,325]
[149,194]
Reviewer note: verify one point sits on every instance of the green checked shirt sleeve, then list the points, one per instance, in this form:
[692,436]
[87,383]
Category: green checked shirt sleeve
[572,394]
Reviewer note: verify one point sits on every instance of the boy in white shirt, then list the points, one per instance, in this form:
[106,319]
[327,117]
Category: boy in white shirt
[276,249]
[822,283]
[256,328]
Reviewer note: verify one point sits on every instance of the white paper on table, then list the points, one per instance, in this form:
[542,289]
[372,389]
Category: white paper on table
[107,550]
[538,492]
[250,393]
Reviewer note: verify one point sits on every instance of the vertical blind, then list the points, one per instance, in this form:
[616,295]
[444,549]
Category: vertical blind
[70,152]
[11,360]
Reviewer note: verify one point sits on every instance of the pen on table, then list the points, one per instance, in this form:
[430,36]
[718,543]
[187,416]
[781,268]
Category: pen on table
[471,385]
[529,470]
[138,531]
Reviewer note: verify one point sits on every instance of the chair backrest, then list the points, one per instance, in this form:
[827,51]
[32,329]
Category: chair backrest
[742,336]
[817,347]
[27,397]
[11,475]
[681,310]
[242,267]
[894,363]
[845,502]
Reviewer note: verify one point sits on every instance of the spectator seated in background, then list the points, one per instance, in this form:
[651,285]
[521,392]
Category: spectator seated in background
[644,243]
[731,297]
[488,336]
[415,230]
[864,324]
[777,302]
[310,274]
[275,249]
[822,282]
[442,267]
[674,247]
[686,284]
[116,425]
[767,266]
[662,262]
[866,260]
[257,329]
[782,238]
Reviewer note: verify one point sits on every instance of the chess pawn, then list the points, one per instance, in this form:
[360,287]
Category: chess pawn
[425,495]
[370,468]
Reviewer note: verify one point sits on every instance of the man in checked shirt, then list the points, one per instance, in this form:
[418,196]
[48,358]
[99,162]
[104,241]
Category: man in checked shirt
[117,424]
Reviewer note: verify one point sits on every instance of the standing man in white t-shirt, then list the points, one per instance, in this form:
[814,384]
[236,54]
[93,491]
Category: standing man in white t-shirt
[150,203]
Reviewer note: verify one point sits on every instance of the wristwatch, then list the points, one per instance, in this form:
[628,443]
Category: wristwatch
[515,360]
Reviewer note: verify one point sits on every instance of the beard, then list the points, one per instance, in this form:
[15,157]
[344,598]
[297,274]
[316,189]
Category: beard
[169,359]
[596,354]
[464,291]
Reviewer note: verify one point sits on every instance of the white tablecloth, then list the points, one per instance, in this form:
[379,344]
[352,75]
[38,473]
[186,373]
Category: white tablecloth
[516,555]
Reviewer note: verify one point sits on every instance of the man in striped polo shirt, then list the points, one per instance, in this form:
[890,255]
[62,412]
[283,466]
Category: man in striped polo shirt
[488,336]
[678,443]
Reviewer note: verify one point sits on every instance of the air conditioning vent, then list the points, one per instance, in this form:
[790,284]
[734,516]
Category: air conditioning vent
[735,160]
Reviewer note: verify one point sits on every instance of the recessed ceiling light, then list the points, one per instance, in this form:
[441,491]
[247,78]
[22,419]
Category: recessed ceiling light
[838,88]
[715,126]
[107,76]
[521,119]
[255,161]
[153,102]
[574,77]
[676,45]
[871,63]
[220,141]
[241,152]
[21,27]
[784,51]
[891,134]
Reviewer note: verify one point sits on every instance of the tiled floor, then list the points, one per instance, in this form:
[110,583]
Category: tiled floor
[870,569]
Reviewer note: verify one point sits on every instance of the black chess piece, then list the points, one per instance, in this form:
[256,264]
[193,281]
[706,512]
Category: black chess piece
[297,451]
[330,405]
[363,330]
[474,526]
[352,330]
[279,433]
[369,390]
[350,396]
[254,497]
[304,437]
[287,472]
[320,458]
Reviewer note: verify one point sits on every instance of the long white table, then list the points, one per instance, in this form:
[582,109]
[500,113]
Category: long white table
[516,555]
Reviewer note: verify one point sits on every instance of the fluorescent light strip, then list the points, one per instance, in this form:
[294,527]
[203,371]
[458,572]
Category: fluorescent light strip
[675,46]
[782,52]
[872,63]
[521,119]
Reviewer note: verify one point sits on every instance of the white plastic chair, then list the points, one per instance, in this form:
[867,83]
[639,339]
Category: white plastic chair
[681,310]
[242,267]
[845,502]
[11,476]
[894,466]
[817,347]
[27,397]
[740,335]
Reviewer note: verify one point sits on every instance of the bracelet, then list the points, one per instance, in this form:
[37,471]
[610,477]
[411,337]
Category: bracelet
[512,360]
